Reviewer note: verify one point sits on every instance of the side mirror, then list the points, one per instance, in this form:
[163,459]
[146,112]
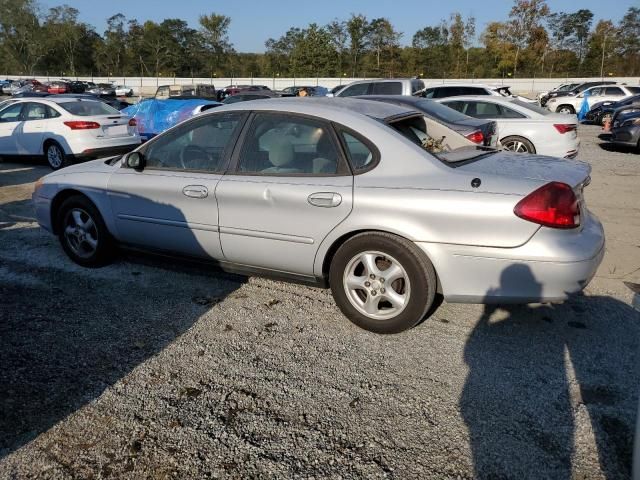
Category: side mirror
[135,160]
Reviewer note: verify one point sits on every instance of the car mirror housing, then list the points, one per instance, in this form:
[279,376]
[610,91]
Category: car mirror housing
[135,160]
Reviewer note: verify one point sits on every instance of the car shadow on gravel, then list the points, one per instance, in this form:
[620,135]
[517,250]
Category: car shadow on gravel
[68,333]
[539,375]
[12,174]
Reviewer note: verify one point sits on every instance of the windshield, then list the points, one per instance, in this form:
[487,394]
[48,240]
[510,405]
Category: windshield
[531,106]
[88,108]
[415,130]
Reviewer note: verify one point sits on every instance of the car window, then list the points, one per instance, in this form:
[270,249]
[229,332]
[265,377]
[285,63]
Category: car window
[12,113]
[88,108]
[35,111]
[440,111]
[387,88]
[202,144]
[595,92]
[279,144]
[456,105]
[359,154]
[483,110]
[532,106]
[614,91]
[507,112]
[634,90]
[473,91]
[429,92]
[52,112]
[357,89]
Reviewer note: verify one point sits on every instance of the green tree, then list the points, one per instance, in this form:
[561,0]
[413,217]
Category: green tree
[214,29]
[21,34]
[358,28]
[524,18]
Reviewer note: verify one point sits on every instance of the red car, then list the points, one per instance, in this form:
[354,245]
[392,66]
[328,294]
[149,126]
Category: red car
[58,87]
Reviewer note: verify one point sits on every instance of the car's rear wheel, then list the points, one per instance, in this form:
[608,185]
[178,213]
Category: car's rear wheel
[55,155]
[518,144]
[82,232]
[382,282]
[566,109]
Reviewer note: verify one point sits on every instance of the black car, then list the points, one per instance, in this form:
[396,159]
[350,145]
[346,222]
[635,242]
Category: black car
[479,131]
[602,110]
[626,127]
[77,87]
[573,92]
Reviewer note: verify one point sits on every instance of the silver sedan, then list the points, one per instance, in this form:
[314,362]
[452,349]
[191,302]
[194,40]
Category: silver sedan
[350,194]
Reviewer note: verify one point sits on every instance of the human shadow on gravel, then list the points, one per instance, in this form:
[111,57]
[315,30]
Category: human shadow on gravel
[68,333]
[519,401]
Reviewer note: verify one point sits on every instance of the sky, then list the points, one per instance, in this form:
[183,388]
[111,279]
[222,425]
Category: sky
[254,21]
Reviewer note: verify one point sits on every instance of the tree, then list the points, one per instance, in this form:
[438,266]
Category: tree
[525,16]
[338,37]
[358,28]
[21,34]
[382,36]
[628,41]
[214,29]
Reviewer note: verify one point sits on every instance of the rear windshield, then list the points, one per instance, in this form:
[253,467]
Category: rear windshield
[415,129]
[441,112]
[531,106]
[88,108]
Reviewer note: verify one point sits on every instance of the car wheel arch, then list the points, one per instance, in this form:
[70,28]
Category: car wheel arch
[342,239]
[58,200]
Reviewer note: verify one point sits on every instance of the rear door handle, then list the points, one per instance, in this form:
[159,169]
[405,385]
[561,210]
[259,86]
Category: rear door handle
[195,191]
[325,199]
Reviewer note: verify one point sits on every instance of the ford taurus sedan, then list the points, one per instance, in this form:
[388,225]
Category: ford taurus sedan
[349,194]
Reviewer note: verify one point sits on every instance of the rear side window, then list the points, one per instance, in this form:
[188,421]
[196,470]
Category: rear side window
[357,89]
[359,154]
[615,91]
[634,90]
[35,111]
[88,108]
[387,88]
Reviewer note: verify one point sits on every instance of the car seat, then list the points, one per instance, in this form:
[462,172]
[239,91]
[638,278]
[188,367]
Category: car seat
[281,156]
[326,161]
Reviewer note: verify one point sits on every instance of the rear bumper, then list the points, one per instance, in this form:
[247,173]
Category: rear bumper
[92,153]
[552,265]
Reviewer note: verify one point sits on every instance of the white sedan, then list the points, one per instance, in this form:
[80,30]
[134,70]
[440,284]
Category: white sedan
[64,129]
[523,127]
[123,91]
[600,93]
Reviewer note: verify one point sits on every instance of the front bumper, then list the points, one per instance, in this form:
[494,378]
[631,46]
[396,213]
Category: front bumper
[629,135]
[552,265]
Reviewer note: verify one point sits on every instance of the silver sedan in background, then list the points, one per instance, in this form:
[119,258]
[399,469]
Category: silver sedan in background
[360,196]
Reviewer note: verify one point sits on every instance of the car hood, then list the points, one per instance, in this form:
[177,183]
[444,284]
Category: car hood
[530,167]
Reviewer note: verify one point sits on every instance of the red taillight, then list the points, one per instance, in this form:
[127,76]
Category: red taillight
[476,137]
[81,125]
[132,122]
[565,127]
[552,205]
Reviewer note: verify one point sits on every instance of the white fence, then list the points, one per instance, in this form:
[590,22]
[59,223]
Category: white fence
[148,85]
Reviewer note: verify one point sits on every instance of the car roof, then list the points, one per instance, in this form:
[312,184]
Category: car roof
[325,107]
[381,80]
[478,85]
[484,98]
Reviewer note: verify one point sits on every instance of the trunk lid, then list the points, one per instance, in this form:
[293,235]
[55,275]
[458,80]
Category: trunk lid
[530,167]
[112,126]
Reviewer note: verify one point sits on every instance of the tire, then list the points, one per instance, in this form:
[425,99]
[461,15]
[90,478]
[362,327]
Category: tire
[566,109]
[517,144]
[55,156]
[82,233]
[368,301]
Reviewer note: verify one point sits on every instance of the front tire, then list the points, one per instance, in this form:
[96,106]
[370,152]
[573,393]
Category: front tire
[55,156]
[568,109]
[82,233]
[382,282]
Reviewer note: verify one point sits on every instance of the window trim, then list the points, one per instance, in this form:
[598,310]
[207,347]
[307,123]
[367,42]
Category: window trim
[343,169]
[226,154]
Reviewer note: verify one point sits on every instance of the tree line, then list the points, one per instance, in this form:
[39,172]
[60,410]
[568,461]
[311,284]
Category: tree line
[532,41]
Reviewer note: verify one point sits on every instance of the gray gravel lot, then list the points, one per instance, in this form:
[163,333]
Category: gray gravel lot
[153,368]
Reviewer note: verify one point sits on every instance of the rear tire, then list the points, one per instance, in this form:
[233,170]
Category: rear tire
[55,156]
[82,233]
[382,283]
[517,144]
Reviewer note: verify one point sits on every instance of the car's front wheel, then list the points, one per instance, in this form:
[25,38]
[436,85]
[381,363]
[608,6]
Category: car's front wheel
[567,109]
[382,282]
[83,235]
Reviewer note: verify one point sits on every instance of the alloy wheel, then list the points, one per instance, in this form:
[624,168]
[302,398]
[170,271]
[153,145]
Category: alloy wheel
[80,232]
[377,285]
[54,156]
[516,146]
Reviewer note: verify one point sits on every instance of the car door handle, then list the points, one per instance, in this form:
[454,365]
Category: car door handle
[195,191]
[325,199]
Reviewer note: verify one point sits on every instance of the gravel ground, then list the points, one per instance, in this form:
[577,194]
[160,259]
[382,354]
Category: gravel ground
[152,368]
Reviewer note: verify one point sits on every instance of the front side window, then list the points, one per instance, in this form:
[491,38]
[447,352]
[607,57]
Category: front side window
[202,144]
[357,89]
[12,113]
[387,88]
[279,144]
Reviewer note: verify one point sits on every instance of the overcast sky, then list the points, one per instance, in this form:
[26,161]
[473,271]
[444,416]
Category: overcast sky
[253,22]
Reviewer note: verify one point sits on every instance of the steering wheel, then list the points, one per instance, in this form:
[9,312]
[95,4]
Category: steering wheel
[191,155]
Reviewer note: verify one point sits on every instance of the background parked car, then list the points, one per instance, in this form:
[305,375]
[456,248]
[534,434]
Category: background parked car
[77,87]
[64,129]
[479,131]
[573,91]
[523,127]
[102,89]
[312,91]
[123,91]
[185,91]
[58,87]
[626,128]
[565,87]
[602,111]
[393,86]
[600,93]
[466,89]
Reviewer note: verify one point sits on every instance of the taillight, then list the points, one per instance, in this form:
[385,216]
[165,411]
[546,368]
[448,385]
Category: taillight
[565,127]
[476,137]
[552,205]
[81,125]
[132,122]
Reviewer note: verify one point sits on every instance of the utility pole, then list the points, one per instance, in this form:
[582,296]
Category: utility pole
[604,46]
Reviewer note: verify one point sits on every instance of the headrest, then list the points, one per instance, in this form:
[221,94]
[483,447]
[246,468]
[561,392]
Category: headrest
[281,152]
